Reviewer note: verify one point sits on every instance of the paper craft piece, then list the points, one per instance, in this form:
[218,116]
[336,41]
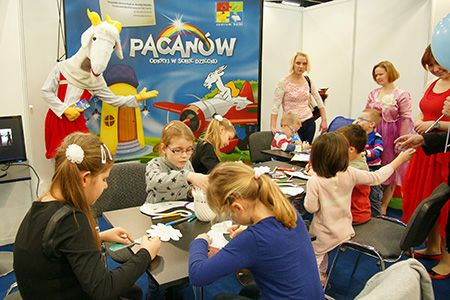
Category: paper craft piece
[164,232]
[120,246]
[300,157]
[201,207]
[292,191]
[217,239]
[190,206]
[298,174]
[222,227]
[153,209]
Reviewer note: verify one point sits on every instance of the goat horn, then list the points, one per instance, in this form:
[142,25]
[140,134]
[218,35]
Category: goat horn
[114,23]
[94,17]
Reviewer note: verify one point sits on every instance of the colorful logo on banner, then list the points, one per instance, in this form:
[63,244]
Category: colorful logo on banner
[229,13]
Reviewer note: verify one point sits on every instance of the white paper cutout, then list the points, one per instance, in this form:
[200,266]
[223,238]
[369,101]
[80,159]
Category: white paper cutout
[217,239]
[298,174]
[292,191]
[152,209]
[222,227]
[164,232]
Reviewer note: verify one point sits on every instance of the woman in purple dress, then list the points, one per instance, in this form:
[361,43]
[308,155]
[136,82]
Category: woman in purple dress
[395,107]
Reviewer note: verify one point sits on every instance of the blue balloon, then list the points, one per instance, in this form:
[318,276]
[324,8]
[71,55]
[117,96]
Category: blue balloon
[440,42]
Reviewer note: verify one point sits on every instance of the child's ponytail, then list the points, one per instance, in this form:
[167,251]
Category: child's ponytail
[234,180]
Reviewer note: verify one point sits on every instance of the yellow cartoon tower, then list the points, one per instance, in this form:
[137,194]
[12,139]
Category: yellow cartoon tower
[121,127]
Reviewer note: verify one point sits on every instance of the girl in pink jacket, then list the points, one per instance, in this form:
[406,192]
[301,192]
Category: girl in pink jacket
[328,192]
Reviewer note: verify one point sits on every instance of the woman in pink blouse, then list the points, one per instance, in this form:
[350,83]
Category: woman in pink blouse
[395,107]
[293,94]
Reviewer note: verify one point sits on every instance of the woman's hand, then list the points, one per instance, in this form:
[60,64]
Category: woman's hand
[323,126]
[152,245]
[409,141]
[205,237]
[422,126]
[198,180]
[236,229]
[116,234]
[446,109]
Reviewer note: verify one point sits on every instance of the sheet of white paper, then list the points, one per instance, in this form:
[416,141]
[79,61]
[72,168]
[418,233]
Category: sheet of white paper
[222,227]
[217,239]
[292,191]
[298,174]
[300,157]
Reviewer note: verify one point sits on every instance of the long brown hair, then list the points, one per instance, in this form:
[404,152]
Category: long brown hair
[329,154]
[212,134]
[175,129]
[234,180]
[67,178]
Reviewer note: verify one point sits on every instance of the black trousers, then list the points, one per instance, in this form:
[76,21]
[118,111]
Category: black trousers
[307,131]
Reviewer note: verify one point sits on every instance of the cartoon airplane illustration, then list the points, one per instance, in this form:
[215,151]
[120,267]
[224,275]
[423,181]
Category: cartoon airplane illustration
[238,109]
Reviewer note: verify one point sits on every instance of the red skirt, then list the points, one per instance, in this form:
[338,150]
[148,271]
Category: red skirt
[424,174]
[56,129]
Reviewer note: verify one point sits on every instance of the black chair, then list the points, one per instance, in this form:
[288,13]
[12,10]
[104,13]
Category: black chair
[386,238]
[126,188]
[260,141]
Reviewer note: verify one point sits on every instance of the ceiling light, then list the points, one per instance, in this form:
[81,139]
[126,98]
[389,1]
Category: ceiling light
[291,3]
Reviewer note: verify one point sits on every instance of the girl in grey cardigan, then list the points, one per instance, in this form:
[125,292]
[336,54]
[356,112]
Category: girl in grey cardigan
[171,176]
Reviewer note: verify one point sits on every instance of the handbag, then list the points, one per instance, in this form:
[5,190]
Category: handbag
[312,102]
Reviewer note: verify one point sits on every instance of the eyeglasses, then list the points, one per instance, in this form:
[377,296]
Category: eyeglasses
[180,152]
[361,120]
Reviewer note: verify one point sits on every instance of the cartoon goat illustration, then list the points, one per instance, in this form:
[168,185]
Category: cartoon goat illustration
[216,77]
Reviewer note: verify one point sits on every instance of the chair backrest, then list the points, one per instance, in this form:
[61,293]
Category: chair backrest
[339,122]
[126,188]
[424,217]
[258,141]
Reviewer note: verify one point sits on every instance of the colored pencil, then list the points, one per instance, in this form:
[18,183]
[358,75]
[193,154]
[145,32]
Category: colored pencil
[166,216]
[192,218]
[177,221]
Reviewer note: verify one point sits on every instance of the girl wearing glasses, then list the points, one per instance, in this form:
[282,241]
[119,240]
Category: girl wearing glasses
[207,153]
[170,176]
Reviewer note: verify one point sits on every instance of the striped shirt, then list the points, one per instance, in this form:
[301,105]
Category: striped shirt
[374,149]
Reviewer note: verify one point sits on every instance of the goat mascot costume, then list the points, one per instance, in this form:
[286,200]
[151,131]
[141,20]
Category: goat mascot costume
[80,77]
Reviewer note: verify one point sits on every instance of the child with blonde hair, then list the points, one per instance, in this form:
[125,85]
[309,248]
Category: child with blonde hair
[207,152]
[287,138]
[328,192]
[170,176]
[275,247]
[57,252]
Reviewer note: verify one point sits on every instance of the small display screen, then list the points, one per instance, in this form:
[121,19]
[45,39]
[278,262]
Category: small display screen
[12,142]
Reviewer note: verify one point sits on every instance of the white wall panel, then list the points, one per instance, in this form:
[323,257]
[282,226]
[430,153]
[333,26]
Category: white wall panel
[390,30]
[328,40]
[281,39]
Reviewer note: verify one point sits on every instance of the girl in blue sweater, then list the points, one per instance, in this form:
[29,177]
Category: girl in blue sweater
[275,247]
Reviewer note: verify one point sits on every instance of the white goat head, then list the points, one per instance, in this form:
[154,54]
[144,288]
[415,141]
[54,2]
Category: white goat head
[100,40]
[214,76]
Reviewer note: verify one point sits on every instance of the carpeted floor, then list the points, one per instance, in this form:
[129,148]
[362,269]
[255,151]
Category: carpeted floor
[342,287]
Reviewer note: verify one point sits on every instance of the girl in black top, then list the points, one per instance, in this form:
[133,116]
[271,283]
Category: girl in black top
[66,262]
[207,152]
